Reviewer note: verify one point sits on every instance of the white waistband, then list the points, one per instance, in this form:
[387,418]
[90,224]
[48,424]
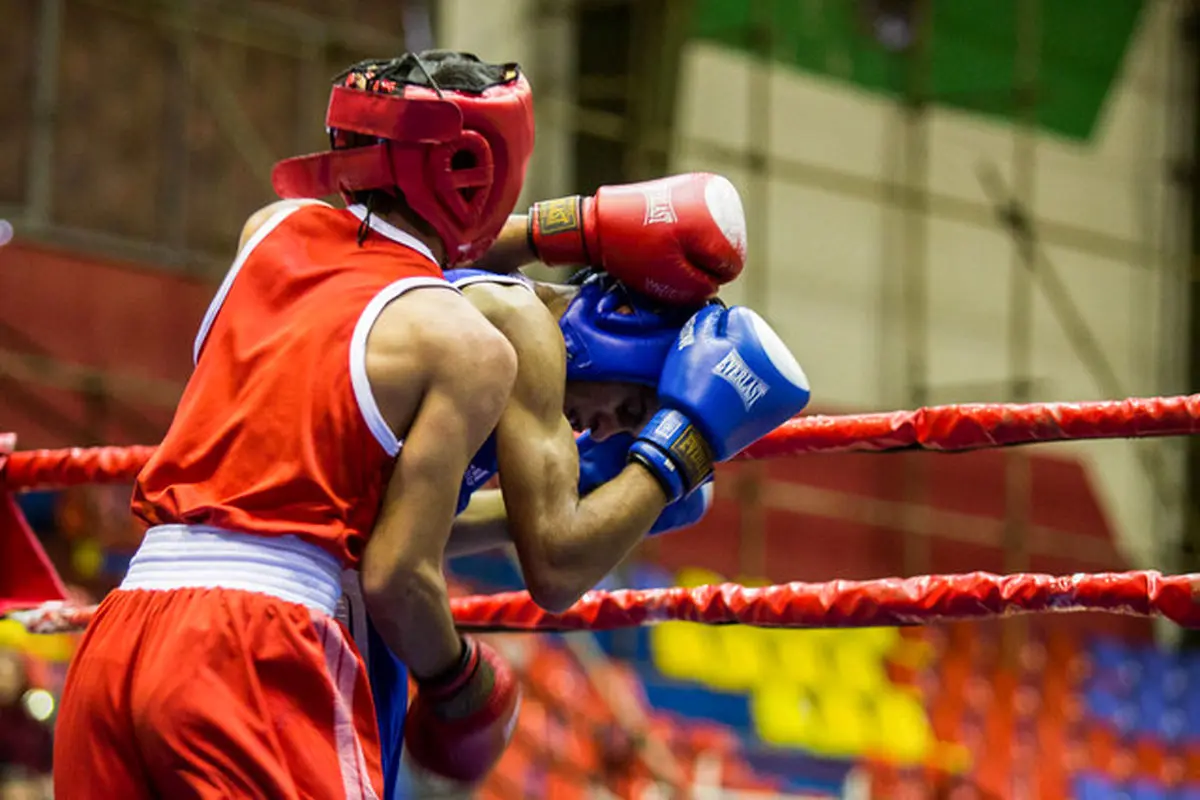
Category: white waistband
[202,557]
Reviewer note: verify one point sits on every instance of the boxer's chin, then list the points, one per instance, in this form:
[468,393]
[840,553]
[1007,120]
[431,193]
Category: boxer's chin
[419,784]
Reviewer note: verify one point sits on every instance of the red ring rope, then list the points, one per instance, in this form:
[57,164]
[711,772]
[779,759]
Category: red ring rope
[890,601]
[945,428]
[835,604]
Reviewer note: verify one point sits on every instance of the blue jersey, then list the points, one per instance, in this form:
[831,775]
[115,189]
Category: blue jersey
[483,468]
[389,678]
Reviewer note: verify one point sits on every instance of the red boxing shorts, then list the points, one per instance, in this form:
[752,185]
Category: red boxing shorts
[216,671]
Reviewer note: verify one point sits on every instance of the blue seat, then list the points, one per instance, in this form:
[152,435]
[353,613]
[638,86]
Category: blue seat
[1097,787]
[1105,707]
[1151,701]
[1145,789]
[696,702]
[1176,683]
[1153,661]
[1190,705]
[1106,652]
[1189,792]
[1173,727]
[1115,667]
[1165,670]
[1190,661]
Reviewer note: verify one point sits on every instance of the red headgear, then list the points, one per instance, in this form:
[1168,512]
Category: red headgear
[458,156]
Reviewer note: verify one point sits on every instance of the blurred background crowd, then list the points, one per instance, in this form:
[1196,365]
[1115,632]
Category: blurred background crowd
[948,201]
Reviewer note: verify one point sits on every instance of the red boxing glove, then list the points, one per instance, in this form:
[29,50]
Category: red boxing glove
[676,239]
[459,724]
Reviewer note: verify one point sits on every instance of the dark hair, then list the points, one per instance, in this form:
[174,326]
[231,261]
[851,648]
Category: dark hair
[435,69]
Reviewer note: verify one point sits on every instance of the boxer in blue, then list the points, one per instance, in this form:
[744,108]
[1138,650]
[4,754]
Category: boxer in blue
[697,385]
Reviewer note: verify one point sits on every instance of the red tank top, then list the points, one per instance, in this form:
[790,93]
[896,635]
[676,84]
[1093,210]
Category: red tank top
[277,431]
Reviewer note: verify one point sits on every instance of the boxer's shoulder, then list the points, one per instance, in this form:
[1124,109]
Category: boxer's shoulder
[512,308]
[529,326]
[262,216]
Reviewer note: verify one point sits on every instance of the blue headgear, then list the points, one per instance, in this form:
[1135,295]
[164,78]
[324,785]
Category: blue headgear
[613,334]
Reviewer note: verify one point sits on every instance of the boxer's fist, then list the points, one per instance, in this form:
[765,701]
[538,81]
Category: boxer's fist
[675,239]
[459,725]
[600,462]
[729,381]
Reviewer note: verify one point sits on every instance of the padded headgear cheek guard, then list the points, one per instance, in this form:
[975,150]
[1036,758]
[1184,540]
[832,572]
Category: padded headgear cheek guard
[458,157]
[612,334]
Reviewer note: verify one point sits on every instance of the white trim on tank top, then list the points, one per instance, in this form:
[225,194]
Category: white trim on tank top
[210,316]
[503,280]
[358,357]
[380,226]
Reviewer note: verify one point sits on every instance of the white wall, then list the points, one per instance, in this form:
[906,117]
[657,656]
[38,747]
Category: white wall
[829,246]
[511,30]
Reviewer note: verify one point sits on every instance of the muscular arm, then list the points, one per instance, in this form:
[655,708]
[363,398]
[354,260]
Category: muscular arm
[511,249]
[566,544]
[440,374]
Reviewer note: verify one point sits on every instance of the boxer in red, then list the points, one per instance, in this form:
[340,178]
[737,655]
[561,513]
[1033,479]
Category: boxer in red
[341,388]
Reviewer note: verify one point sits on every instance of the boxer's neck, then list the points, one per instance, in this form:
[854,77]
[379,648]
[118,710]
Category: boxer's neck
[432,241]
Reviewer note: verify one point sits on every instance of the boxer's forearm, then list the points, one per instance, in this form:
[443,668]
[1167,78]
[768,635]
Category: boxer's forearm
[609,523]
[415,620]
[402,580]
[511,250]
[569,556]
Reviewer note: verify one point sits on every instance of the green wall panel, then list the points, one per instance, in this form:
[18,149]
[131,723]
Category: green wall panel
[972,51]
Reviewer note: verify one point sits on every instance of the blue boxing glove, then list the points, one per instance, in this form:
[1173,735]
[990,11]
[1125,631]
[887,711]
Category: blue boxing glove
[600,462]
[729,381]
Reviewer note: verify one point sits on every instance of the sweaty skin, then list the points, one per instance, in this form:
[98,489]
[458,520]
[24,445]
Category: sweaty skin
[440,374]
[565,543]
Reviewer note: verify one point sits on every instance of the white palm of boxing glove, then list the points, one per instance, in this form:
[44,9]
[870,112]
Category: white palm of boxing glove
[729,381]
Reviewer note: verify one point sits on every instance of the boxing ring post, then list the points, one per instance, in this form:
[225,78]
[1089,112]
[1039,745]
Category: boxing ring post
[891,601]
[27,578]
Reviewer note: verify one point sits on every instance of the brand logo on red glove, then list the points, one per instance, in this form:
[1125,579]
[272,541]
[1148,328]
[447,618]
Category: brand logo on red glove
[662,291]
[558,216]
[658,205]
[734,371]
